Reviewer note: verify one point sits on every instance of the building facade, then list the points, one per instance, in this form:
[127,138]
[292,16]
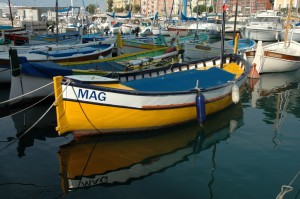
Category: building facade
[278,4]
[163,7]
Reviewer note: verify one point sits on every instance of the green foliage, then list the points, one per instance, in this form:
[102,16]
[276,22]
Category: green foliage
[202,8]
[137,8]
[91,8]
[110,4]
[127,7]
[119,9]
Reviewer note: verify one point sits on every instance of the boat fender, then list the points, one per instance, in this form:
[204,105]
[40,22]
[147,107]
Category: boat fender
[235,93]
[200,107]
[253,72]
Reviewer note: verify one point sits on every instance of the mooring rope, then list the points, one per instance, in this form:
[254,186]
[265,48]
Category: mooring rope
[94,146]
[33,125]
[20,96]
[6,69]
[287,188]
[28,106]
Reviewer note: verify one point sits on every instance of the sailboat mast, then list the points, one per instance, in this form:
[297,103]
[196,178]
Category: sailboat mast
[56,8]
[288,22]
[10,13]
[235,16]
[224,7]
[165,9]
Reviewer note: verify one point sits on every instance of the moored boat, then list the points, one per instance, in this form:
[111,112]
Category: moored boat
[276,57]
[29,79]
[152,100]
[196,50]
[87,52]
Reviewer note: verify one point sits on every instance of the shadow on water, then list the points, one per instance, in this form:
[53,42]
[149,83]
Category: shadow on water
[110,160]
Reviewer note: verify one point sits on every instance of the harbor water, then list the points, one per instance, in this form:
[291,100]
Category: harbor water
[248,151]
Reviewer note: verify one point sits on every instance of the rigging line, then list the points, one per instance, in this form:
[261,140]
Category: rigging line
[287,188]
[85,113]
[28,129]
[6,69]
[26,93]
[98,138]
[28,106]
[43,115]
[26,184]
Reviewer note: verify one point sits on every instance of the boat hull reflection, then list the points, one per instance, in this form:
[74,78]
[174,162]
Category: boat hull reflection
[109,160]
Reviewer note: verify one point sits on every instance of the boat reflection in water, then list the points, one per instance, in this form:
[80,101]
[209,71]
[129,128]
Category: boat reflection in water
[278,94]
[30,124]
[119,159]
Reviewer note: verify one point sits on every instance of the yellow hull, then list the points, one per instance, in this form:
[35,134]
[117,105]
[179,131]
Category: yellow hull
[106,119]
[95,105]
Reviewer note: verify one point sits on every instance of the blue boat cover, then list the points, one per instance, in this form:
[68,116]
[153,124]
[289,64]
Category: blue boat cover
[182,81]
[51,69]
[43,69]
[243,43]
[70,52]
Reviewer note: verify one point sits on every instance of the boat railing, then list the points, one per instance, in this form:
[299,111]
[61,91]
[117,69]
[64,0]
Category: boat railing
[175,67]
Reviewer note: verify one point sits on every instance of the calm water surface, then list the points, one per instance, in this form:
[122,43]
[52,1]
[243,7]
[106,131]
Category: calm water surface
[247,151]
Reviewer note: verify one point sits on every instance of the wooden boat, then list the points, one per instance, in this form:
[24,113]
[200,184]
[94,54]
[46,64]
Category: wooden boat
[16,38]
[113,160]
[197,38]
[61,38]
[168,98]
[150,99]
[29,80]
[87,52]
[63,54]
[195,50]
[276,57]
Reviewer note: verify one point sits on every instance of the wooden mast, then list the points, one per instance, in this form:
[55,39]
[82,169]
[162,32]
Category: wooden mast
[288,23]
[10,13]
[56,8]
[224,7]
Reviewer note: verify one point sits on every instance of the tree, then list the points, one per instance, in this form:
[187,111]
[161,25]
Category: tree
[137,8]
[202,8]
[110,4]
[127,7]
[91,8]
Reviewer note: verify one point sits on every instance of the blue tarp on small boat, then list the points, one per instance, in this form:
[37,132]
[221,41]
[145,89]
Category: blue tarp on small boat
[70,52]
[182,81]
[51,69]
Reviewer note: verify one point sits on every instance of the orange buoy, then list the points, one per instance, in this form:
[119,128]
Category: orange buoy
[253,72]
